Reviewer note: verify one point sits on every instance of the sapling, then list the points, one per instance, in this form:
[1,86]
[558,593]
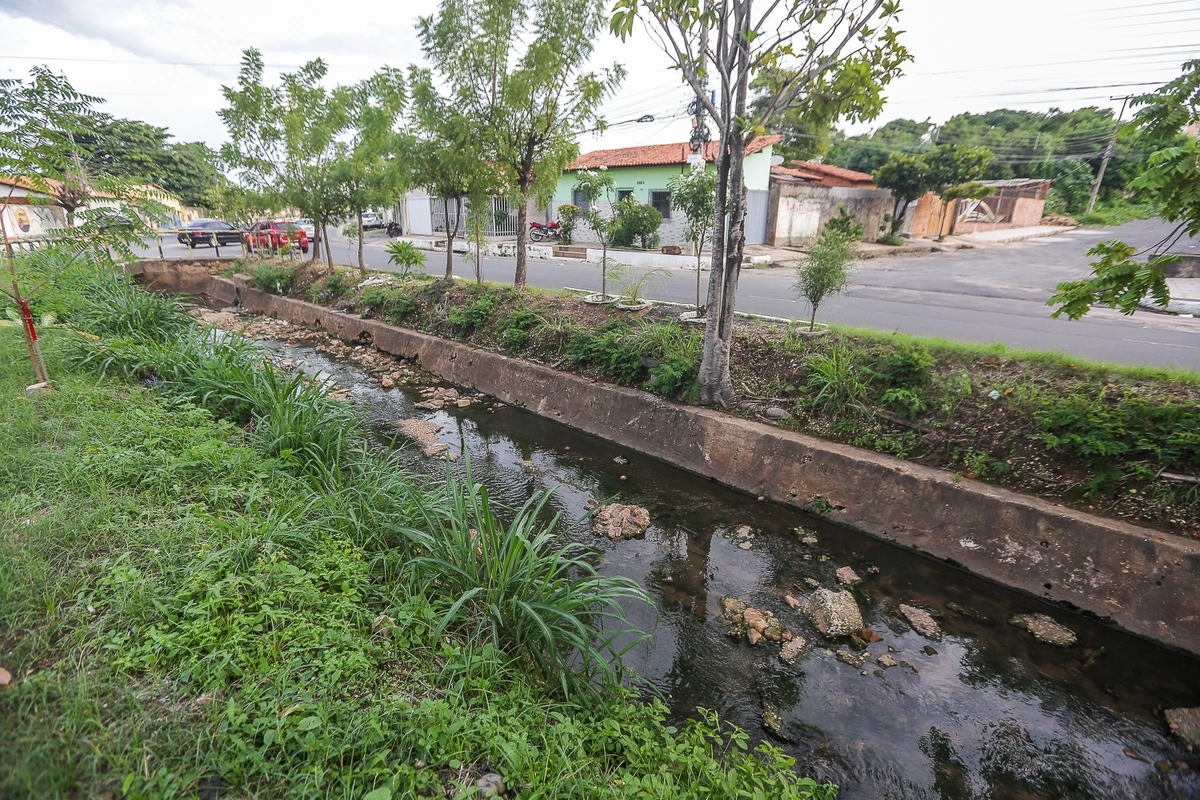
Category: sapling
[825,270]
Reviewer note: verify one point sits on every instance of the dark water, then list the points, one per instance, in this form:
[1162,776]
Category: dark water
[993,714]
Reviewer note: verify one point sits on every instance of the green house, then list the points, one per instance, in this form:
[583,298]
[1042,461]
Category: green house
[643,172]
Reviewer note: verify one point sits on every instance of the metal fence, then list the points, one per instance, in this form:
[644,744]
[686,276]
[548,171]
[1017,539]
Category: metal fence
[500,222]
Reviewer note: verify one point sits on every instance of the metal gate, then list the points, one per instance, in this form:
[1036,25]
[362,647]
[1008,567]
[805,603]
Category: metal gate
[499,221]
[758,204]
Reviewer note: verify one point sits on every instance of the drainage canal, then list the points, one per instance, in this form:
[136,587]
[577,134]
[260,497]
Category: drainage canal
[980,709]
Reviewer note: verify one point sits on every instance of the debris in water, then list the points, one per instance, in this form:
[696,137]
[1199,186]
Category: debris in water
[617,521]
[848,577]
[833,613]
[773,722]
[1044,629]
[922,622]
[791,650]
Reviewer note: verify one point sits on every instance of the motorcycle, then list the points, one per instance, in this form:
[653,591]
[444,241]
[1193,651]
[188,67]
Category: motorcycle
[393,229]
[543,233]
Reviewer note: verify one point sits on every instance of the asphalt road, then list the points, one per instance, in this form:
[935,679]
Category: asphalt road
[993,294]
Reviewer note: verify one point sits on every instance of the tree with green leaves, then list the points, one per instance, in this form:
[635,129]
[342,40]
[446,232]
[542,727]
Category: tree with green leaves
[694,194]
[517,70]
[824,271]
[365,169]
[637,223]
[788,52]
[1171,183]
[143,152]
[284,140]
[908,177]
[600,214]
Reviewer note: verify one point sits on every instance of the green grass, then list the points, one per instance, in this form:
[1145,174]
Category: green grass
[188,609]
[1115,212]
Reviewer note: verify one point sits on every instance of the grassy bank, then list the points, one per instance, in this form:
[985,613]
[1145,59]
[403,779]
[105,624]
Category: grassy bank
[212,586]
[1122,441]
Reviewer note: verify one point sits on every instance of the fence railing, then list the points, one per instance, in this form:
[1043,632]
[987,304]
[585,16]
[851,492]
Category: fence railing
[500,220]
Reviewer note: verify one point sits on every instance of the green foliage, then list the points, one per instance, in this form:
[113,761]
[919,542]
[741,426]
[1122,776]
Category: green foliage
[568,218]
[824,271]
[469,317]
[954,164]
[275,278]
[1118,211]
[909,403]
[835,382]
[636,223]
[633,284]
[968,191]
[116,307]
[610,349]
[844,226]
[694,194]
[908,177]
[893,240]
[1121,436]
[675,352]
[331,288]
[515,329]
[905,368]
[406,256]
[1119,282]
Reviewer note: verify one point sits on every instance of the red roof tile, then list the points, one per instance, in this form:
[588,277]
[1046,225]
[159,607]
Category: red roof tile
[659,154]
[822,172]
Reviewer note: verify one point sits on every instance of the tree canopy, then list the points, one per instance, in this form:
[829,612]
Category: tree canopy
[144,153]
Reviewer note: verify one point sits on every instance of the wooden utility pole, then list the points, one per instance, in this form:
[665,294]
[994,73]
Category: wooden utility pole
[1108,151]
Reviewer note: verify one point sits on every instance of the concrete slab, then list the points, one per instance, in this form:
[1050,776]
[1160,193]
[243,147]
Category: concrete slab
[1004,236]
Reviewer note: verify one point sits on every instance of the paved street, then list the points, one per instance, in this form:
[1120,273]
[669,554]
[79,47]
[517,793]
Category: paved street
[994,294]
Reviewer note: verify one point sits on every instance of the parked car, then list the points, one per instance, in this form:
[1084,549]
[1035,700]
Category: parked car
[307,225]
[372,220]
[274,235]
[210,232]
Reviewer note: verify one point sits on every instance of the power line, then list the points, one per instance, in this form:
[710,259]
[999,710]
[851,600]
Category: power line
[1140,6]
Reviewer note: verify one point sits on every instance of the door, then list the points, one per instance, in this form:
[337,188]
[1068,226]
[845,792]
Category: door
[757,203]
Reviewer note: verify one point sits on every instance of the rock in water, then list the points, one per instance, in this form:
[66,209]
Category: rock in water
[733,607]
[922,622]
[490,785]
[791,601]
[1044,629]
[848,577]
[1185,723]
[854,660]
[834,614]
[791,651]
[886,661]
[773,722]
[617,521]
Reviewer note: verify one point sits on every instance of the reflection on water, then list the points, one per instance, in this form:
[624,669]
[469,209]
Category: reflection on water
[984,712]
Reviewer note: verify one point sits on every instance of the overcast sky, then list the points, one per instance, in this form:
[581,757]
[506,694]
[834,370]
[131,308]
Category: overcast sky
[164,61]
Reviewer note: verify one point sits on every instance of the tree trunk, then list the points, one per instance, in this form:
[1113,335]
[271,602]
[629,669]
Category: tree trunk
[449,239]
[316,242]
[361,264]
[710,363]
[325,237]
[522,240]
[603,270]
[812,321]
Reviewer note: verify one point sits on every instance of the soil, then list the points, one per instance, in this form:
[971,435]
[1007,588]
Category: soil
[980,416]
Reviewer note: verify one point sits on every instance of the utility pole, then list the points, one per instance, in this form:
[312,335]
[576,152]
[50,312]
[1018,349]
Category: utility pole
[1108,151]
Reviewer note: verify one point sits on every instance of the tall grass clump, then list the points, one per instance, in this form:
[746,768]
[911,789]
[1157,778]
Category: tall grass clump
[516,587]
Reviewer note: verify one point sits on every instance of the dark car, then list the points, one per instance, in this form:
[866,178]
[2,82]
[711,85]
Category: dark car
[274,235]
[210,232]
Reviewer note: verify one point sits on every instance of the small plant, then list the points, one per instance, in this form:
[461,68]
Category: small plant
[405,256]
[844,226]
[468,318]
[824,272]
[835,382]
[334,286]
[274,278]
[905,369]
[910,403]
[115,306]
[636,223]
[633,286]
[893,240]
[515,329]
[568,218]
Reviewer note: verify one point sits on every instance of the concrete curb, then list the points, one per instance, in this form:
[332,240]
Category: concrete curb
[1137,579]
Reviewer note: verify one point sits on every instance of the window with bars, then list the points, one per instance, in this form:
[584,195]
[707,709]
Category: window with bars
[662,201]
[579,198]
[623,193]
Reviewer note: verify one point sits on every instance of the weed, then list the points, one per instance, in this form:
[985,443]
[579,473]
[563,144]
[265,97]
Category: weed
[906,368]
[515,329]
[835,382]
[329,290]
[910,403]
[274,278]
[117,307]
[476,315]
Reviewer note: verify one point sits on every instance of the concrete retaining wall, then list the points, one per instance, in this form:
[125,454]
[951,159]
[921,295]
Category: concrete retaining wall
[1138,579]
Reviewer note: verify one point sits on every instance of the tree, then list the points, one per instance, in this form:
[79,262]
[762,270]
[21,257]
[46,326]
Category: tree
[365,170]
[636,222]
[1171,183]
[283,139]
[908,178]
[824,272]
[694,193]
[516,68]
[953,164]
[790,50]
[142,152]
[600,214]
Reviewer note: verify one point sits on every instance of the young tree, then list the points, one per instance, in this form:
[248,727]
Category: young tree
[365,170]
[284,139]
[1171,183]
[600,214]
[824,271]
[789,51]
[694,193]
[908,177]
[516,68]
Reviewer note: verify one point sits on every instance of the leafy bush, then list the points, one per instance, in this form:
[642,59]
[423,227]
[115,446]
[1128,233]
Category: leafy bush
[611,349]
[908,402]
[1122,436]
[844,226]
[515,329]
[825,271]
[636,222]
[893,240]
[568,218]
[406,256]
[469,317]
[390,304]
[274,278]
[334,286]
[906,368]
[835,382]
[115,306]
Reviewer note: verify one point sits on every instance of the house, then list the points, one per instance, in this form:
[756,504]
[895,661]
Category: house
[805,195]
[29,212]
[1016,203]
[643,172]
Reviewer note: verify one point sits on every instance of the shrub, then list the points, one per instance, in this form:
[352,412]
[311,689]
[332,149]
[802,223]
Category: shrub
[568,218]
[115,306]
[905,369]
[835,382]
[893,240]
[515,329]
[844,226]
[636,222]
[406,256]
[611,349]
[908,402]
[274,278]
[824,272]
[334,286]
[469,317]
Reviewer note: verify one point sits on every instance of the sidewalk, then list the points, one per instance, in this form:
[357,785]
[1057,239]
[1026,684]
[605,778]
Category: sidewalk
[1007,235]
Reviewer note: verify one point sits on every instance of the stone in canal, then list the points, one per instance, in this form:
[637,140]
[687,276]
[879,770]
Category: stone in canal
[1185,723]
[809,540]
[967,611]
[746,545]
[854,660]
[848,577]
[791,651]
[617,521]
[773,722]
[1044,629]
[791,601]
[922,622]
[886,661]
[834,614]
[733,607]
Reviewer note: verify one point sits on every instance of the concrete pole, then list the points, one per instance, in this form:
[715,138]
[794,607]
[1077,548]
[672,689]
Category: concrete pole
[1108,151]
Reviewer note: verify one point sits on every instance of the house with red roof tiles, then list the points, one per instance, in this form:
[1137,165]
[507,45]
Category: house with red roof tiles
[643,172]
[805,195]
